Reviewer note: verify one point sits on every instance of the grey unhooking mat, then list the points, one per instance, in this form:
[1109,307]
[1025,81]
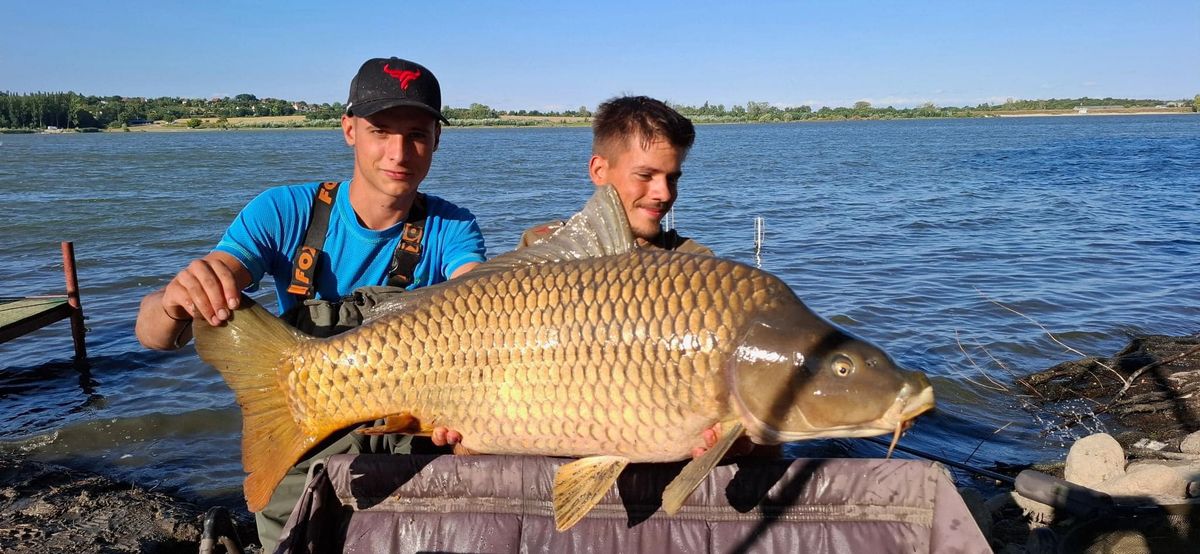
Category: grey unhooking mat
[393,503]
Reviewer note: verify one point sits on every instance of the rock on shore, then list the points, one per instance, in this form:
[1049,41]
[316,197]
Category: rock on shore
[1151,467]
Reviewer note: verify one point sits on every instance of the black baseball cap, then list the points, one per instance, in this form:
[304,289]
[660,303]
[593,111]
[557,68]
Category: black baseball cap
[383,83]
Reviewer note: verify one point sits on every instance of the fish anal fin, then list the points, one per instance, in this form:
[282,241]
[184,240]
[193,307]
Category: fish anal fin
[403,422]
[681,487]
[579,486]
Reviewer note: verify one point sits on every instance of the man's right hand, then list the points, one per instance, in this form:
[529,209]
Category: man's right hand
[209,287]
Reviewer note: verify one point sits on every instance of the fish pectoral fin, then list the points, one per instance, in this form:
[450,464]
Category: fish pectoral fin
[681,487]
[403,422]
[579,486]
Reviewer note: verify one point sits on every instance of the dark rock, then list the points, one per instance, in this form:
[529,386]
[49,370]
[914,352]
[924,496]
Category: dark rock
[1162,400]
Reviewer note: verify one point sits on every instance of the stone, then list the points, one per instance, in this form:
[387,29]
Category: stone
[1147,480]
[979,510]
[1094,459]
[1190,444]
[999,503]
[1150,444]
[1187,470]
[1042,541]
[1032,510]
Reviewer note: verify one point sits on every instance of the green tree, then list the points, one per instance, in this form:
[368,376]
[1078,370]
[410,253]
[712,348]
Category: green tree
[1196,103]
[862,105]
[194,123]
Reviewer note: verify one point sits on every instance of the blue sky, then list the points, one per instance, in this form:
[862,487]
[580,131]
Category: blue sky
[550,55]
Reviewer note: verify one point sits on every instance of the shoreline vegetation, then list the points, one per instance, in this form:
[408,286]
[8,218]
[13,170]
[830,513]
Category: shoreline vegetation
[71,112]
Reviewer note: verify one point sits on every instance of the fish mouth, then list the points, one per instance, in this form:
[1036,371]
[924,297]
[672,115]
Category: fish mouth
[900,415]
[911,406]
[907,408]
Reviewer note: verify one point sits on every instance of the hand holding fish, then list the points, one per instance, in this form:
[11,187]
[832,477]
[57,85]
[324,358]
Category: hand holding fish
[208,287]
[741,447]
[442,436]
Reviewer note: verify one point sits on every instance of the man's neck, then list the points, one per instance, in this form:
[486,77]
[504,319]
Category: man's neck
[379,211]
[656,241]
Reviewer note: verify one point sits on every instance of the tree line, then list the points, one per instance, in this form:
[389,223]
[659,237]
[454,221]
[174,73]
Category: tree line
[70,110]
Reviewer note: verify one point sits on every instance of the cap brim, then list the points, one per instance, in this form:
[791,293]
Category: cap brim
[367,109]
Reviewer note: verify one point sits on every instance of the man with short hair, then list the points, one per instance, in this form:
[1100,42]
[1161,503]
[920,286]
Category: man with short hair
[327,242]
[638,146]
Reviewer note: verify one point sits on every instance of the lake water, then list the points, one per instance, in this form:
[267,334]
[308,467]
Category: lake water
[914,234]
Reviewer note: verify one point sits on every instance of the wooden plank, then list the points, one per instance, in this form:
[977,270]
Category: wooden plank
[21,316]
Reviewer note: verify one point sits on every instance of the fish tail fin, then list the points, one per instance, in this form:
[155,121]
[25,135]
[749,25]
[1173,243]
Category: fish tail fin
[251,351]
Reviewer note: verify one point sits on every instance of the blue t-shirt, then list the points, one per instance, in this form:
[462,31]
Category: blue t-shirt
[269,230]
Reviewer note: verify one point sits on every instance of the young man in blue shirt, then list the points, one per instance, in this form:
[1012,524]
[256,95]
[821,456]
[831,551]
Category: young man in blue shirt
[378,230]
[393,124]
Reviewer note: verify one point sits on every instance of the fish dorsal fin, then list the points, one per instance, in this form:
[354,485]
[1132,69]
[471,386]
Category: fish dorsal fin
[599,229]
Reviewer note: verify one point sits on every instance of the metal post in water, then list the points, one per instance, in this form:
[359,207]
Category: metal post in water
[759,228]
[77,328]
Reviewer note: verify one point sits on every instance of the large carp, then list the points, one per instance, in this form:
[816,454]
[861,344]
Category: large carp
[584,346]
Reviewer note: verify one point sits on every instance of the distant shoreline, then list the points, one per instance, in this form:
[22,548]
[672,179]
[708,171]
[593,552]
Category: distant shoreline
[1073,113]
[299,123]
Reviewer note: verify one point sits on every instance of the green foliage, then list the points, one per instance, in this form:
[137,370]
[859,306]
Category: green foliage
[70,110]
[194,123]
[475,111]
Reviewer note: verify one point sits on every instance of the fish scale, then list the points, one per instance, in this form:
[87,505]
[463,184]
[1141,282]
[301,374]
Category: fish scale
[645,386]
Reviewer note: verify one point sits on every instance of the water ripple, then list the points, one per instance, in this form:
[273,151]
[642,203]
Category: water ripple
[955,245]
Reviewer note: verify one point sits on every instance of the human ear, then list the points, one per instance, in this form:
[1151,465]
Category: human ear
[598,170]
[348,129]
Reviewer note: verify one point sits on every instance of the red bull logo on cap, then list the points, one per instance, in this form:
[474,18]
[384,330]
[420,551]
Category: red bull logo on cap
[405,76]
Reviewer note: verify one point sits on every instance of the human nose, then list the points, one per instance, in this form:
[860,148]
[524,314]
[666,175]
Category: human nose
[659,189]
[397,147]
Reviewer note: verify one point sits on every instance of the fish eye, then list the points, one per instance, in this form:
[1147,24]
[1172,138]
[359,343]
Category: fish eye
[842,365]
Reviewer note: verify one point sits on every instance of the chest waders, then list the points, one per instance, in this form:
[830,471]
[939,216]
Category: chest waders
[323,318]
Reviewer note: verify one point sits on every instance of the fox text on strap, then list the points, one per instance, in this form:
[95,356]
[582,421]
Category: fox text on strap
[304,264]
